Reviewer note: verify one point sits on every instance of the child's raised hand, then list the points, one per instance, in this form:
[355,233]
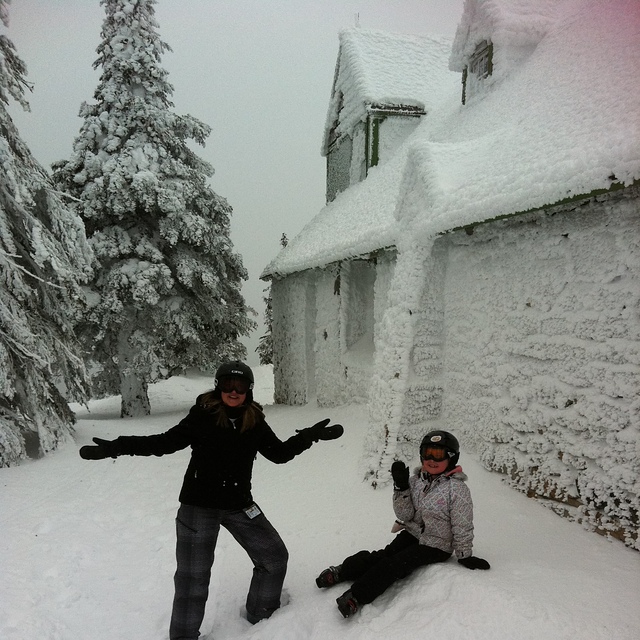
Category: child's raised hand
[400,475]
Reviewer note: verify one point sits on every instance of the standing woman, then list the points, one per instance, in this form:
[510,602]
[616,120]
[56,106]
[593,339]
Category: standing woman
[225,430]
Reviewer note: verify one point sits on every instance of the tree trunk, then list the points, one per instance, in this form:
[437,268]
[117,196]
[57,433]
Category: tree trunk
[134,397]
[133,385]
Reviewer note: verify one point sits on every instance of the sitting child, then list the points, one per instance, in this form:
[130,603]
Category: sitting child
[434,516]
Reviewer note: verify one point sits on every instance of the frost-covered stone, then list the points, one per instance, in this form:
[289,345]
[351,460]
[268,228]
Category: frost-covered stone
[504,238]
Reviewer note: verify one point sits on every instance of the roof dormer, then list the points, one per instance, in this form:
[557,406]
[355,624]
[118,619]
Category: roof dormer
[496,36]
[383,85]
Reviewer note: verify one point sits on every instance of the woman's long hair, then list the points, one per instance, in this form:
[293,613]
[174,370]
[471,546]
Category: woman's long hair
[250,412]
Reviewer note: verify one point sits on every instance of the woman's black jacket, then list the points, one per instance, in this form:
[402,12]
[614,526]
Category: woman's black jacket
[219,472]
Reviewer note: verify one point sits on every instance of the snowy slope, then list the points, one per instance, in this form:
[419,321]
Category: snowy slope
[88,547]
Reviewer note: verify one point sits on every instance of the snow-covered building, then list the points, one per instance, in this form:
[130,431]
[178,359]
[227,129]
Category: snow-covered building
[384,83]
[484,277]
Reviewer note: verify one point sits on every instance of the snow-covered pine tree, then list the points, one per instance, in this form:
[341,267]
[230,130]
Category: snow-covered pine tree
[265,343]
[168,282]
[43,257]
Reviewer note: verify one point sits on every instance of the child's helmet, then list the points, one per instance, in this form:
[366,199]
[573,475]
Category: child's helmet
[445,440]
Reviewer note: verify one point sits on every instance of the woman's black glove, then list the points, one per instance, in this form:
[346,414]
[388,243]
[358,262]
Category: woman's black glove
[102,449]
[320,431]
[400,475]
[474,563]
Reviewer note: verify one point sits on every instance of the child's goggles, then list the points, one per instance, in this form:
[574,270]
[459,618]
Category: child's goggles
[239,385]
[435,453]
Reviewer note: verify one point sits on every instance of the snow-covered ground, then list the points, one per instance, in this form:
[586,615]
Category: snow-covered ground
[87,548]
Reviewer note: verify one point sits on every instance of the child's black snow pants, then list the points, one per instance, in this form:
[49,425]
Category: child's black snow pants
[197,533]
[373,572]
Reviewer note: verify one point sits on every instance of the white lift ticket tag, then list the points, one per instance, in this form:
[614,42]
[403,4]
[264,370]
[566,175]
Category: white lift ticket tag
[253,511]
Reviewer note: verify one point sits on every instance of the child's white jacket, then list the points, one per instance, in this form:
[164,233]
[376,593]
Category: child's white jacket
[438,511]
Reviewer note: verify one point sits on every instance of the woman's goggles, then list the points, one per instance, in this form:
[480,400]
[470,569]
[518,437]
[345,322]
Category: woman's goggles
[239,385]
[435,453]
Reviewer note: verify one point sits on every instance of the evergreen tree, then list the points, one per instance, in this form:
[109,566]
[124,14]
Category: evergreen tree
[265,343]
[43,253]
[167,288]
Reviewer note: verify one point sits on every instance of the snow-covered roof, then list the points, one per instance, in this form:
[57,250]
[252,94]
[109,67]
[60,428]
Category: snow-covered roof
[506,23]
[360,220]
[384,69]
[563,122]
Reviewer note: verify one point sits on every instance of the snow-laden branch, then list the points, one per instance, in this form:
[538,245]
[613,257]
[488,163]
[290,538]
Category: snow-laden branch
[7,256]
[62,194]
[31,355]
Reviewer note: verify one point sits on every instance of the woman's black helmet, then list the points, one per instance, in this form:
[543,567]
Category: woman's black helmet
[235,369]
[446,441]
[229,371]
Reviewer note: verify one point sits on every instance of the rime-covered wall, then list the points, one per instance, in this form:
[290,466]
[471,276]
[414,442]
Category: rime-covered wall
[290,334]
[359,279]
[347,159]
[394,130]
[385,267]
[324,324]
[357,319]
[542,355]
[358,167]
[339,167]
[422,408]
[526,346]
[329,387]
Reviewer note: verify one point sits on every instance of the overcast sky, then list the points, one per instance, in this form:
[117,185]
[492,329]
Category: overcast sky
[259,72]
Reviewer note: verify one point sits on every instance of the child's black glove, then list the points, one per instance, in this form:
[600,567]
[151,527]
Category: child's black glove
[320,431]
[102,449]
[400,475]
[474,563]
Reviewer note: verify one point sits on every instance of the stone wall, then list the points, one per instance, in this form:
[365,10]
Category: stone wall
[328,372]
[290,335]
[542,355]
[324,322]
[339,167]
[422,408]
[526,346]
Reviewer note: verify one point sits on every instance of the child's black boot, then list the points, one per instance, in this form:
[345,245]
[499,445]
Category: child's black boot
[329,577]
[347,604]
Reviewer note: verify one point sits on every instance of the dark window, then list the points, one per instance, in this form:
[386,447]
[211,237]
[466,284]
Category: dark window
[481,63]
[480,67]
[374,148]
